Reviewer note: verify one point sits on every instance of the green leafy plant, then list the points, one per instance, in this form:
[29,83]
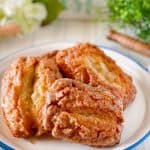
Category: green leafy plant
[1,14]
[54,7]
[132,12]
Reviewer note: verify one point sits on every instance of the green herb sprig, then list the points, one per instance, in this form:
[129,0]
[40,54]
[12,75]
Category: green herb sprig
[132,12]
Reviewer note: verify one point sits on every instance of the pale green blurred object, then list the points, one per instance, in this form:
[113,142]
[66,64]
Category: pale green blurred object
[24,13]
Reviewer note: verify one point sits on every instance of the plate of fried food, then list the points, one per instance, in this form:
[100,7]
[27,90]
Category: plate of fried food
[71,97]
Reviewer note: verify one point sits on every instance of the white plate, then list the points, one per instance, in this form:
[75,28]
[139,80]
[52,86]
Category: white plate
[137,120]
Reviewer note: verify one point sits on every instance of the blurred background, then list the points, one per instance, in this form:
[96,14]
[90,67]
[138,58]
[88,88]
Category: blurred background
[25,23]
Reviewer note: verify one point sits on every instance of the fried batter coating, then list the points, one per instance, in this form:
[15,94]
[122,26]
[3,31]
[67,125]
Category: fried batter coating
[23,88]
[80,113]
[89,64]
[86,109]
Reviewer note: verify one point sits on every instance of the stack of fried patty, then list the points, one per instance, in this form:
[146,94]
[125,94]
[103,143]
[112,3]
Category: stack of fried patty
[76,94]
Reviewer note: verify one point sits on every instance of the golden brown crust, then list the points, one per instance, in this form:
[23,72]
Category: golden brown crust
[81,113]
[87,110]
[23,87]
[89,64]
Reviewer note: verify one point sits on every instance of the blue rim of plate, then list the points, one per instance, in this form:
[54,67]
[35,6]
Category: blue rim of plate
[129,57]
[141,140]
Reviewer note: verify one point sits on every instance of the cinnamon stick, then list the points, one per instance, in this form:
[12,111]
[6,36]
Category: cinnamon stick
[9,30]
[129,42]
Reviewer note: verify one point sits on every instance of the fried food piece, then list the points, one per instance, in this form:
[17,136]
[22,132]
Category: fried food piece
[89,64]
[23,87]
[80,113]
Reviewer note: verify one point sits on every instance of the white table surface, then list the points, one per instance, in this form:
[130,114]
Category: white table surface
[70,31]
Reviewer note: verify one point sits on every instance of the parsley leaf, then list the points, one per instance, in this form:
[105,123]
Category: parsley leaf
[132,12]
